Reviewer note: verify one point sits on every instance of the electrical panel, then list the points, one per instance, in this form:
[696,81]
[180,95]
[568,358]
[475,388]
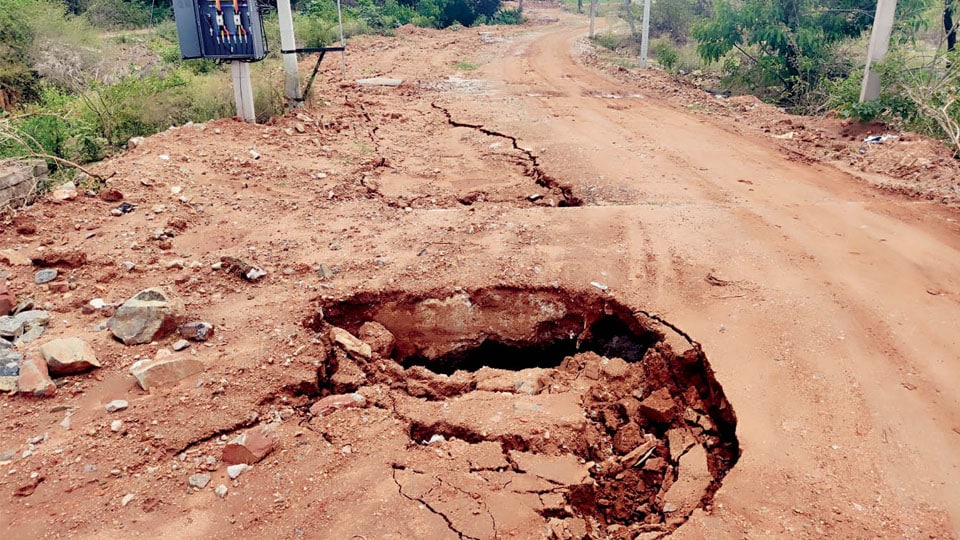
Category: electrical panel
[220,29]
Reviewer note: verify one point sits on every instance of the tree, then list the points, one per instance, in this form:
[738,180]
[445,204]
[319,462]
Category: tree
[949,27]
[789,41]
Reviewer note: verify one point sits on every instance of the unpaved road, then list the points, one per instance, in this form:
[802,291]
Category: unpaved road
[828,310]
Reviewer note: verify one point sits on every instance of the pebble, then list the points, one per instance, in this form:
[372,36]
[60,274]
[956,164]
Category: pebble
[45,276]
[221,491]
[180,345]
[116,426]
[126,499]
[129,265]
[117,405]
[199,481]
[233,471]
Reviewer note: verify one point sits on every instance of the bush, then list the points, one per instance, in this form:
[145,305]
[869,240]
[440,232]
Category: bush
[667,55]
[118,14]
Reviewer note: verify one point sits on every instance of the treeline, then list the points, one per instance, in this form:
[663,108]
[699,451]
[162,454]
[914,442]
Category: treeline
[809,55]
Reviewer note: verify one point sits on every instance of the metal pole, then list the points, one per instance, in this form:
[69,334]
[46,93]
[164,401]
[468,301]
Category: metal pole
[645,35]
[343,54]
[879,43]
[288,43]
[243,91]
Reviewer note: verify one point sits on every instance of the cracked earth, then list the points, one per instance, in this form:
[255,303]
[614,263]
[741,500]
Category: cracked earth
[620,308]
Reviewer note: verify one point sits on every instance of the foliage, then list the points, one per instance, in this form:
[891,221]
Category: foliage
[119,14]
[790,44]
[384,15]
[675,18]
[667,55]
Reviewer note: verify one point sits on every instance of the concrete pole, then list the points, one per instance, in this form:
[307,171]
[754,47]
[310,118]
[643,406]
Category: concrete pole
[343,53]
[645,34]
[593,15]
[291,78]
[879,44]
[243,90]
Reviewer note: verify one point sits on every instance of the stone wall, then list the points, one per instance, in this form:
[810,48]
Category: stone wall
[19,179]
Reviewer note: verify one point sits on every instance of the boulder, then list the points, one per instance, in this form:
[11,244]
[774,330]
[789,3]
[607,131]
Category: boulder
[68,356]
[34,378]
[9,369]
[349,343]
[151,314]
[251,446]
[165,370]
[12,327]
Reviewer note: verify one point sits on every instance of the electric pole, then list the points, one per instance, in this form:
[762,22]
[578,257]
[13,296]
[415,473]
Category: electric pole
[291,77]
[879,43]
[645,36]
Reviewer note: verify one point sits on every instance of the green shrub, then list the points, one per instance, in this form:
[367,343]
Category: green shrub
[118,14]
[667,55]
[508,16]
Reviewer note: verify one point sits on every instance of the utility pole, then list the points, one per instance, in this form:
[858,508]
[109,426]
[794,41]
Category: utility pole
[879,44]
[645,37]
[288,43]
[593,15]
[243,90]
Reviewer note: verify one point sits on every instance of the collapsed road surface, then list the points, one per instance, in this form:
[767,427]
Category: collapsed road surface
[688,327]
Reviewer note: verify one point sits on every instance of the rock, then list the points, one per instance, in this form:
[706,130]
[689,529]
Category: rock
[199,481]
[117,405]
[221,491]
[30,335]
[116,426]
[68,356]
[151,314]
[12,327]
[251,446]
[180,345]
[62,258]
[233,471]
[380,81]
[134,142]
[9,369]
[659,407]
[165,370]
[129,266]
[679,440]
[110,195]
[564,469]
[126,499]
[242,269]
[14,258]
[64,192]
[325,272]
[627,438]
[349,343]
[197,331]
[7,300]
[378,337]
[34,379]
[329,404]
[614,368]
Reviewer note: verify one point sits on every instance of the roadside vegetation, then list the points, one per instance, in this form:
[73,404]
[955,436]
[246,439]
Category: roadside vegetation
[805,55]
[79,78]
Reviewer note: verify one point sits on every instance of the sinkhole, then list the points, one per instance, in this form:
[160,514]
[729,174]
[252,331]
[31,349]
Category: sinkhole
[555,380]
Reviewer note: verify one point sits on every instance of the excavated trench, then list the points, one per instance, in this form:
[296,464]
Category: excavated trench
[582,399]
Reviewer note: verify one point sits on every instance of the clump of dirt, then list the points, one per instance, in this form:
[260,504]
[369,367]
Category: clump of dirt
[572,407]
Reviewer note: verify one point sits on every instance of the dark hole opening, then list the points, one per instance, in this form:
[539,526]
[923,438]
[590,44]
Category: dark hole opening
[609,336]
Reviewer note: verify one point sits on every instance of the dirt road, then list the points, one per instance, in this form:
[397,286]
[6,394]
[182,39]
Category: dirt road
[827,311]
